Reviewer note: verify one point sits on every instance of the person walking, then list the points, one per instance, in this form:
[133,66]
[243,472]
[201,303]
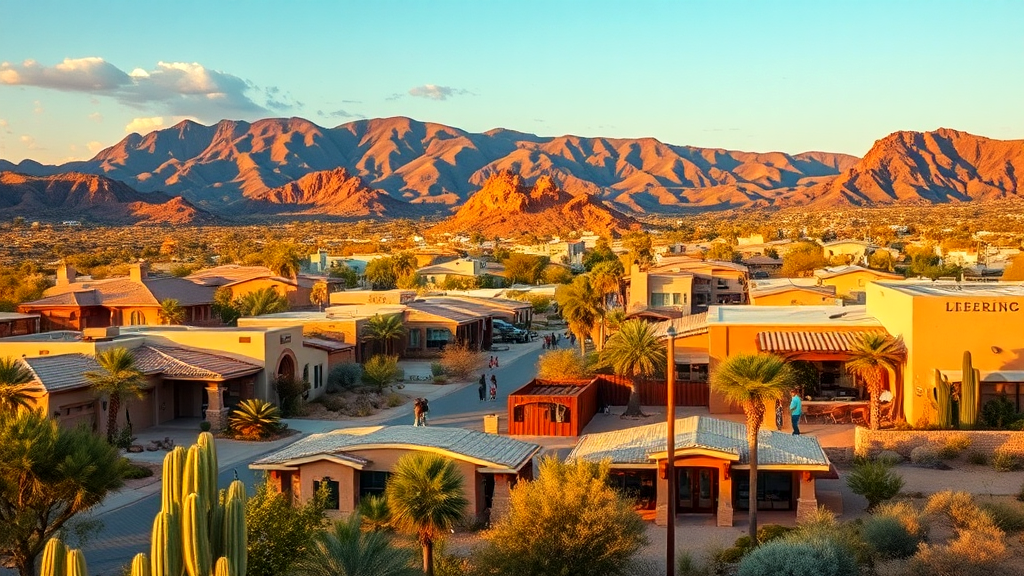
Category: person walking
[424,409]
[417,411]
[795,410]
[494,388]
[483,387]
[495,363]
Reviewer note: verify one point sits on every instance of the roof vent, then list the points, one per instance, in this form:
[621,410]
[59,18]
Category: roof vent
[101,334]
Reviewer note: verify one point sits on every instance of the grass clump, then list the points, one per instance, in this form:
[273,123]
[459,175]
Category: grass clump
[876,481]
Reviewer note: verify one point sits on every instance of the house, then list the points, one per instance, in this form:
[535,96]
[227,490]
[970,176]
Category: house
[560,251]
[490,274]
[686,284]
[356,462]
[15,324]
[761,266]
[850,281]
[710,464]
[242,280]
[791,292]
[341,328]
[848,251]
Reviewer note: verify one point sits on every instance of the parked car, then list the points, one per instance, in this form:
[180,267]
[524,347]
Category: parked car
[509,333]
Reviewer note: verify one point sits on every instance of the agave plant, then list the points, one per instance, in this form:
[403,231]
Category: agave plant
[255,419]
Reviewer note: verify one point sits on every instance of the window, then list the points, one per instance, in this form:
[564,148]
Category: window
[137,318]
[659,299]
[305,373]
[558,413]
[438,337]
[517,414]
[774,491]
[372,483]
[414,339]
[333,501]
[676,299]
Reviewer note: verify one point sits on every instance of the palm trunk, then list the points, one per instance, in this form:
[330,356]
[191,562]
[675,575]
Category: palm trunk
[873,389]
[752,448]
[113,406]
[633,405]
[428,558]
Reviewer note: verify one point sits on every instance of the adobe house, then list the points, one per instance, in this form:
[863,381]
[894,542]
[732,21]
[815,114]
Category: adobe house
[242,280]
[711,464]
[356,462]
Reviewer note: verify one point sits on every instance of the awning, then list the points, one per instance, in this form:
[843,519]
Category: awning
[806,341]
[694,358]
[987,376]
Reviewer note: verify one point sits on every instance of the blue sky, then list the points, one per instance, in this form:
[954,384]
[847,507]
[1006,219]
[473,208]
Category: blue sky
[746,75]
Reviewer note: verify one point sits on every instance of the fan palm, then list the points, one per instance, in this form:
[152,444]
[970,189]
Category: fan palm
[15,384]
[345,550]
[318,295]
[263,301]
[426,497]
[118,378]
[171,312]
[752,381]
[580,306]
[384,329]
[255,419]
[634,351]
[871,358]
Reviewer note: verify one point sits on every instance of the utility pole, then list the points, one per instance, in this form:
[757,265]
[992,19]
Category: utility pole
[670,467]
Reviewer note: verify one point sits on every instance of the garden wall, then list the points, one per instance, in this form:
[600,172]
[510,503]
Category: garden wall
[870,442]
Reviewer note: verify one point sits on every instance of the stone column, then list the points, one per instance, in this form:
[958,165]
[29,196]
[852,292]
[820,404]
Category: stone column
[807,503]
[216,412]
[500,498]
[725,509]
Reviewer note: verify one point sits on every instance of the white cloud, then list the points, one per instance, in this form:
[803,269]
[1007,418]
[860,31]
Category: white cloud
[144,125]
[96,117]
[435,92]
[38,107]
[4,125]
[94,146]
[30,142]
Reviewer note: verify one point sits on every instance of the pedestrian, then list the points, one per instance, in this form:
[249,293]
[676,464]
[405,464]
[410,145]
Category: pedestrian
[778,414]
[795,410]
[483,387]
[546,340]
[417,411]
[494,388]
[424,409]
[495,363]
[490,362]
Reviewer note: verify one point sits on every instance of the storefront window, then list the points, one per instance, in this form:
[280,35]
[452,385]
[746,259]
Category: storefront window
[438,337]
[635,484]
[774,491]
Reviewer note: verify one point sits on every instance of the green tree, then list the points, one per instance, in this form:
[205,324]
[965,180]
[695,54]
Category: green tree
[346,550]
[380,273]
[259,302]
[224,305]
[346,273]
[380,370]
[580,305]
[118,378]
[602,252]
[318,296]
[16,383]
[50,475]
[565,364]
[555,274]
[802,259]
[567,521]
[752,381]
[872,357]
[639,249]
[427,498]
[281,533]
[171,312]
[722,252]
[637,352]
[383,330]
[524,268]
[411,281]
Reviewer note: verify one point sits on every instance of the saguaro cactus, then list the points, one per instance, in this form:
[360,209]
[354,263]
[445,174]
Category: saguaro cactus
[165,548]
[140,565]
[76,563]
[171,489]
[55,557]
[235,530]
[941,401]
[970,393]
[223,567]
[195,536]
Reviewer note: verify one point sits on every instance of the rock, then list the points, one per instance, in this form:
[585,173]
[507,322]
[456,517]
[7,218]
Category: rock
[135,448]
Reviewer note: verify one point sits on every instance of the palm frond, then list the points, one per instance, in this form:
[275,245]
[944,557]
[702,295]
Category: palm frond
[426,495]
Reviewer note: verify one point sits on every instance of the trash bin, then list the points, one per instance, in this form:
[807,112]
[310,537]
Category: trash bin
[491,423]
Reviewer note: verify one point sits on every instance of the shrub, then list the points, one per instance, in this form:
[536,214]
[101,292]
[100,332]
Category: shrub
[924,456]
[255,419]
[565,364]
[436,369]
[999,413]
[333,403]
[392,400]
[1007,516]
[345,375]
[380,370]
[977,458]
[770,532]
[730,555]
[818,557]
[953,446]
[889,457]
[906,514]
[374,512]
[289,393]
[460,362]
[132,471]
[889,538]
[205,426]
[875,481]
[977,547]
[1005,461]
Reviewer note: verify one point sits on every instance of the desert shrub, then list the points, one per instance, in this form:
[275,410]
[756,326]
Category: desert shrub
[345,375]
[289,394]
[460,362]
[255,419]
[730,555]
[447,563]
[890,457]
[999,413]
[924,456]
[361,406]
[132,471]
[436,369]
[1007,516]
[816,557]
[205,426]
[977,546]
[1005,461]
[393,399]
[380,371]
[770,532]
[375,513]
[875,481]
[953,446]
[564,364]
[888,537]
[977,458]
[333,402]
[906,514]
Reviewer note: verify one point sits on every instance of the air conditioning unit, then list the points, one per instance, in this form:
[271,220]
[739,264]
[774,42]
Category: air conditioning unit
[97,334]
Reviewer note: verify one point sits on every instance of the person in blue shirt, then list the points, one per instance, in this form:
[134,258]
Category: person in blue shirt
[795,410]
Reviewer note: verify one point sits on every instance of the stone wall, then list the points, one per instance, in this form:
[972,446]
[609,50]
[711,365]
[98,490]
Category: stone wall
[871,442]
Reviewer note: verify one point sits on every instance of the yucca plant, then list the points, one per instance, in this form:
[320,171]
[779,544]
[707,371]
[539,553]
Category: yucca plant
[255,419]
[375,513]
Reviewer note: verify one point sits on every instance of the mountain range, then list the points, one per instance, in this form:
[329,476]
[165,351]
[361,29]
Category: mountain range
[394,167]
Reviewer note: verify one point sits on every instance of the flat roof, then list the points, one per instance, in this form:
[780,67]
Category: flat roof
[831,316]
[12,316]
[963,289]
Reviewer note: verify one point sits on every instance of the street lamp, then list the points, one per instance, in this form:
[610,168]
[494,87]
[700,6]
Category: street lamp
[670,441]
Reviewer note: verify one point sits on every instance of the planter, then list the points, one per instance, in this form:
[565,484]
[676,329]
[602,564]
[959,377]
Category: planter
[871,442]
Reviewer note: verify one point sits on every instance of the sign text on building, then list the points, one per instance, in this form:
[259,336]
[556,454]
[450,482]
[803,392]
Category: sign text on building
[982,306]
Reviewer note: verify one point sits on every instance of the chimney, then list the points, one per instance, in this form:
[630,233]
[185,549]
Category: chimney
[65,274]
[137,273]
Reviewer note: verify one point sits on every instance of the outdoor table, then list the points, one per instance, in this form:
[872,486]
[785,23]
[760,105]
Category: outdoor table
[840,410]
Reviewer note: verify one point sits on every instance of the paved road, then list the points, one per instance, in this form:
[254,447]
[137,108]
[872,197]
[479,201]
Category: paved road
[126,531]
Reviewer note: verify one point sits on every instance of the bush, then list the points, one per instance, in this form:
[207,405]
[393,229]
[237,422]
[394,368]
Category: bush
[906,514]
[375,513]
[392,400]
[565,364]
[999,413]
[1007,516]
[289,394]
[205,426]
[255,419]
[436,369]
[343,376]
[889,538]
[132,471]
[977,458]
[924,456]
[875,481]
[333,403]
[770,532]
[953,446]
[818,557]
[460,362]
[976,548]
[380,370]
[1005,461]
[731,555]
[889,457]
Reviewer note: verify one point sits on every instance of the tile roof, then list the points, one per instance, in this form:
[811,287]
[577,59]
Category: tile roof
[808,341]
[636,445]
[123,291]
[62,372]
[187,364]
[492,450]
[417,310]
[228,274]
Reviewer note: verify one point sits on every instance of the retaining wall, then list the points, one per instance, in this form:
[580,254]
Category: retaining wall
[870,442]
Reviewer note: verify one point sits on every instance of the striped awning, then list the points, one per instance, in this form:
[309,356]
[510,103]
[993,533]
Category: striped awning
[804,341]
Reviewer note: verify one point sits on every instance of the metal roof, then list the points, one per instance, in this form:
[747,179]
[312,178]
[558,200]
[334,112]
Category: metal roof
[537,387]
[637,445]
[686,326]
[491,450]
[958,289]
[850,269]
[808,341]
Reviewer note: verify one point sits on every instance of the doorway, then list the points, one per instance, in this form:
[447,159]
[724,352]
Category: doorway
[698,489]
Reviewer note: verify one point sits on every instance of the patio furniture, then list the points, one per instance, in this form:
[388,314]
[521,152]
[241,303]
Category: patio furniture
[837,411]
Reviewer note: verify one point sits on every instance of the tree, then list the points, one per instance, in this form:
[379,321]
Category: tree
[635,351]
[117,378]
[380,273]
[318,295]
[460,361]
[872,357]
[283,260]
[722,252]
[602,252]
[580,306]
[427,498]
[259,302]
[802,259]
[555,274]
[640,249]
[565,364]
[171,312]
[346,273]
[50,475]
[281,533]
[752,381]
[224,305]
[346,550]
[380,370]
[15,384]
[883,260]
[524,268]
[607,277]
[567,521]
[383,330]
[411,281]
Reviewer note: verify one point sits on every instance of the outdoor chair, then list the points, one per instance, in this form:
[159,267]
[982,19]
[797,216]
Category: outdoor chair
[862,415]
[838,415]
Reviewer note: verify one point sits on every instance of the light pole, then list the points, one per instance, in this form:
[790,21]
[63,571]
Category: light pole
[670,441]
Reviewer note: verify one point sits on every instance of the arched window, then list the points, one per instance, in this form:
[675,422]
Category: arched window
[137,319]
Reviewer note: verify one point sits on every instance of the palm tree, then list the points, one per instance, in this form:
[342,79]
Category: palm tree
[871,358]
[384,329]
[346,550]
[752,381]
[318,295]
[426,497]
[171,312]
[118,378]
[634,351]
[263,301]
[15,384]
[580,305]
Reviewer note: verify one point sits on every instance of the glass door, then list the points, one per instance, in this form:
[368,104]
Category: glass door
[698,488]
